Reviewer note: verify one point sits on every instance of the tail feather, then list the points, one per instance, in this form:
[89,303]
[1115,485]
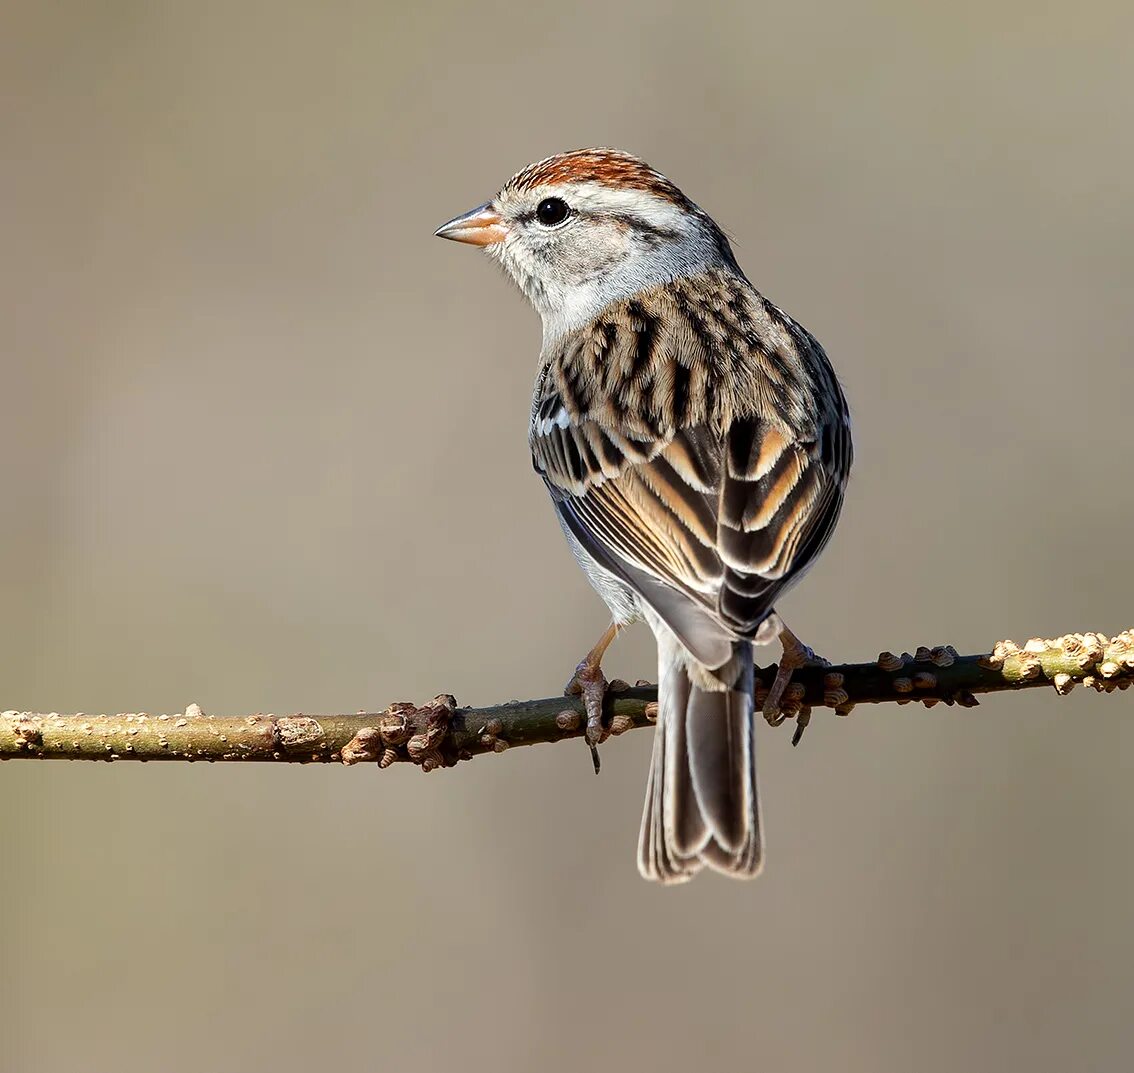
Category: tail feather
[679,811]
[702,806]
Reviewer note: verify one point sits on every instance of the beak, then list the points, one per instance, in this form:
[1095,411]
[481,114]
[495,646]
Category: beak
[482,226]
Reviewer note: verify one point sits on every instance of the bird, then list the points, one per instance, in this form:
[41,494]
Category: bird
[696,445]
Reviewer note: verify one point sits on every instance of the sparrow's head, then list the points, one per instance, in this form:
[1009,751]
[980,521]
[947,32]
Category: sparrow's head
[582,229]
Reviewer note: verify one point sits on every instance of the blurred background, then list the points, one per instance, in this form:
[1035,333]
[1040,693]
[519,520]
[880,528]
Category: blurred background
[265,450]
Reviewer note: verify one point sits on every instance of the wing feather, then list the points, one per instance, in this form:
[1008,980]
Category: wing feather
[678,471]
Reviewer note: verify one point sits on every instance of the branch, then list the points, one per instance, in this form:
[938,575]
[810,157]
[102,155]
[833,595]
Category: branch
[439,733]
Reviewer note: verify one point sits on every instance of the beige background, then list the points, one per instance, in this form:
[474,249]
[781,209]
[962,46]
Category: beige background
[264,449]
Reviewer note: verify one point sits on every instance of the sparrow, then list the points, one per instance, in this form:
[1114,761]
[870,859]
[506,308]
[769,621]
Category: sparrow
[696,446]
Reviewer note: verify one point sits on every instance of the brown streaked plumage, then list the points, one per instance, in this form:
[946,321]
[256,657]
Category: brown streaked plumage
[696,458]
[696,446]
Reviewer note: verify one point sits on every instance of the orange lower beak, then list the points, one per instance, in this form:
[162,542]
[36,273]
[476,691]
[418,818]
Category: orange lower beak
[481,227]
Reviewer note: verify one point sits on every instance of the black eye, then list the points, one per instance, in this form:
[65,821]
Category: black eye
[551,211]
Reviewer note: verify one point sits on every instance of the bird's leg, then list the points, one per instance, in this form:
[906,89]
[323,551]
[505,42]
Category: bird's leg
[590,683]
[796,655]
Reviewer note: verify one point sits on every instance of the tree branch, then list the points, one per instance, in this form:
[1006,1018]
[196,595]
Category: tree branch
[439,733]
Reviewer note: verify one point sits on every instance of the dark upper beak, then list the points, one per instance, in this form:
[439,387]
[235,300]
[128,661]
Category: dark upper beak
[482,226]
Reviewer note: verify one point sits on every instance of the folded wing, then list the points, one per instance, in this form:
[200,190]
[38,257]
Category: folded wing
[707,526]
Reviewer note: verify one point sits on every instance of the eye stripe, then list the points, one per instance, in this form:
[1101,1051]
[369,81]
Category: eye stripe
[651,231]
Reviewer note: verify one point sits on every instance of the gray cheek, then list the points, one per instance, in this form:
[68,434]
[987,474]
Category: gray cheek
[557,265]
[586,264]
[602,265]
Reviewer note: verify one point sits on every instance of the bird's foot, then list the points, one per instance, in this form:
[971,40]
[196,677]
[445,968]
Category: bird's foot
[783,699]
[590,683]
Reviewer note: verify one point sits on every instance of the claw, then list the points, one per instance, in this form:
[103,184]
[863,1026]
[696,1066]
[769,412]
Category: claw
[796,655]
[590,683]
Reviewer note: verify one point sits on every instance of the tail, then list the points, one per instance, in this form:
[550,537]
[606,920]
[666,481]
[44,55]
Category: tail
[702,807]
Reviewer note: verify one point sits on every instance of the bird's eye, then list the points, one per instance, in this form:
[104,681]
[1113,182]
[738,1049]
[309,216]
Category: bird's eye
[551,211]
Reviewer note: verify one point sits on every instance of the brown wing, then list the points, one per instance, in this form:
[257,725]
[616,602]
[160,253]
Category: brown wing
[708,517]
[709,530]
